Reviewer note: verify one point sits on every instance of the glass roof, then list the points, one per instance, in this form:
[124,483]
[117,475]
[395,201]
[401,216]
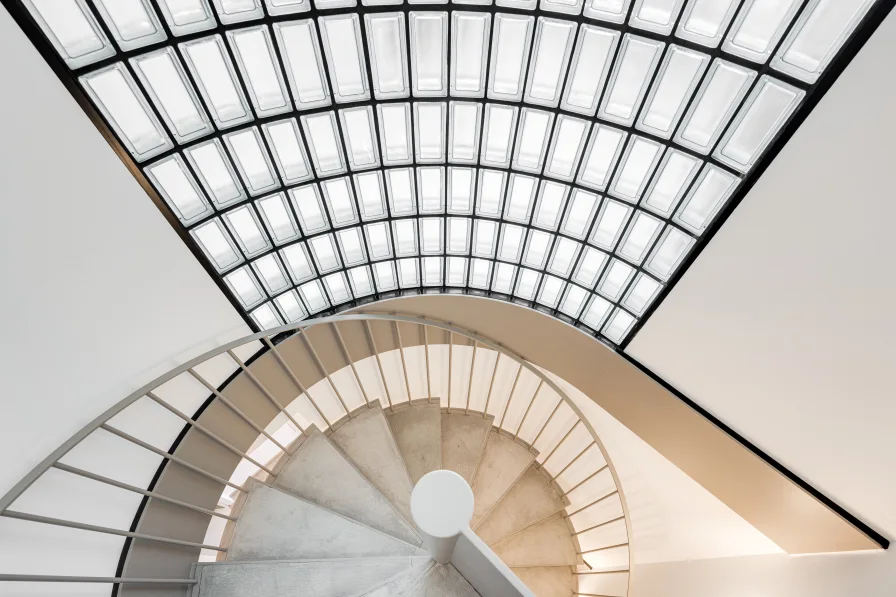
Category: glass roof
[568,155]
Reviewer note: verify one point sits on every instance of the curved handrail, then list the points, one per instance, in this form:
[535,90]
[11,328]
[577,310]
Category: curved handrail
[100,421]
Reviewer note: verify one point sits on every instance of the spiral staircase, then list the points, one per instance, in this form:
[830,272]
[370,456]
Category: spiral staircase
[295,475]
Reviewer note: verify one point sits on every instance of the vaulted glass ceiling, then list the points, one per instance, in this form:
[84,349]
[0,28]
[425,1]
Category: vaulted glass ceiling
[563,154]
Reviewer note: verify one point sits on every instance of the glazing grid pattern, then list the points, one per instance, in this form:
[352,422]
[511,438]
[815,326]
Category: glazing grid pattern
[561,154]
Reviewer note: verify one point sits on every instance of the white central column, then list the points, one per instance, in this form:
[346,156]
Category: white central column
[442,506]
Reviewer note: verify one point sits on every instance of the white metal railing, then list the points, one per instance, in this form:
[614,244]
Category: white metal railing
[53,461]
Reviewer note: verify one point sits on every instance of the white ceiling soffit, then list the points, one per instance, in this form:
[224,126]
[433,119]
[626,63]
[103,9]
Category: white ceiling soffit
[565,154]
[784,326]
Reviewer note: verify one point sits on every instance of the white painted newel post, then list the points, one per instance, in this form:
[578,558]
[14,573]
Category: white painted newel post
[442,506]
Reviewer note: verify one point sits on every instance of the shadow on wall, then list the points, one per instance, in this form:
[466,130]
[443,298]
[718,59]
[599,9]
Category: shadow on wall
[865,574]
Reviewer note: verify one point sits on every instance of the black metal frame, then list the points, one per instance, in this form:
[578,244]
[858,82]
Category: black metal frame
[813,94]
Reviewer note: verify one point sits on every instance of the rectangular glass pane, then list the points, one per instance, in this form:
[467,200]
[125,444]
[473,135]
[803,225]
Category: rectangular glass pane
[596,312]
[216,245]
[266,317]
[340,201]
[429,129]
[591,62]
[511,244]
[712,189]
[456,271]
[313,296]
[500,124]
[254,53]
[384,274]
[610,222]
[639,237]
[564,256]
[402,196]
[431,190]
[298,261]
[615,279]
[532,142]
[582,207]
[567,144]
[638,59]
[679,75]
[526,284]
[133,23]
[612,11]
[289,152]
[345,57]
[213,72]
[429,53]
[480,273]
[469,41]
[271,273]
[337,288]
[360,137]
[641,294]
[404,235]
[388,54]
[300,50]
[395,133]
[179,189]
[323,249]
[675,173]
[408,273]
[551,289]
[323,140]
[704,21]
[573,301]
[821,30]
[759,120]
[510,55]
[379,240]
[604,149]
[430,236]
[215,172]
[71,28]
[352,246]
[537,247]
[669,252]
[461,184]
[458,236]
[640,158]
[617,328]
[361,281]
[166,83]
[116,95]
[289,304]
[278,218]
[551,202]
[550,57]
[247,231]
[371,195]
[758,28]
[463,134]
[490,193]
[717,99]
[252,160]
[520,198]
[655,15]
[309,208]
[187,16]
[590,267]
[504,277]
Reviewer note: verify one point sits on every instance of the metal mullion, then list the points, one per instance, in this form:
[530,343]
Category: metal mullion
[566,435]
[547,421]
[379,363]
[603,524]
[588,505]
[426,356]
[208,433]
[470,380]
[115,580]
[134,489]
[267,393]
[105,530]
[528,408]
[170,457]
[351,362]
[516,379]
[304,335]
[585,480]
[404,367]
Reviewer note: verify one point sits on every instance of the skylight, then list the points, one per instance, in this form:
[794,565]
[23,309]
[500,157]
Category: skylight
[566,154]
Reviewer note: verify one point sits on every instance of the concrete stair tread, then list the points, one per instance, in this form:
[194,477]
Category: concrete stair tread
[341,577]
[546,543]
[545,581]
[531,499]
[274,525]
[418,432]
[367,441]
[503,461]
[320,473]
[463,442]
[442,580]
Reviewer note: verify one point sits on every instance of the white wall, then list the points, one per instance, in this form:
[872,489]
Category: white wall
[784,327]
[99,294]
